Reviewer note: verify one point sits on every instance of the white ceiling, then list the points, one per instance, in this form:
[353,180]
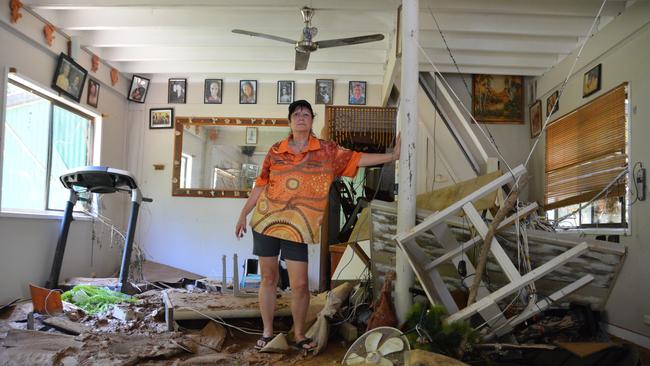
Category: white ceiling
[193,38]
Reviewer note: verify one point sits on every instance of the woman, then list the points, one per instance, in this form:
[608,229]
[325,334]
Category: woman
[247,95]
[289,198]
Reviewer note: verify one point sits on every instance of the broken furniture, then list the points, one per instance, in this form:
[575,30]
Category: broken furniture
[97,179]
[432,243]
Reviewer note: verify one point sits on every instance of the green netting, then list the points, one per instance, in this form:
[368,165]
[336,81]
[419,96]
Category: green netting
[94,299]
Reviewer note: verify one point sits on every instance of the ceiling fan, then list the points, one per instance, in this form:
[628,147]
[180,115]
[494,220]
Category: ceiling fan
[306,45]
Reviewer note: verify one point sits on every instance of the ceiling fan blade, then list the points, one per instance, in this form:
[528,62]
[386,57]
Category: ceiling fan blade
[263,35]
[349,41]
[302,58]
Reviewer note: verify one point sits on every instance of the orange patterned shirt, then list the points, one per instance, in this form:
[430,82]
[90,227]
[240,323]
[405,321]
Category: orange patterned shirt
[292,205]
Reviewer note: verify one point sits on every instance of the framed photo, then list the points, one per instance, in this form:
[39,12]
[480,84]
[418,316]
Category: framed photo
[93,93]
[535,115]
[498,98]
[177,91]
[591,81]
[247,92]
[212,91]
[552,103]
[286,91]
[138,90]
[357,93]
[161,118]
[251,135]
[324,91]
[69,77]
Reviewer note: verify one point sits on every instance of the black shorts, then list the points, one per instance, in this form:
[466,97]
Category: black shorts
[268,246]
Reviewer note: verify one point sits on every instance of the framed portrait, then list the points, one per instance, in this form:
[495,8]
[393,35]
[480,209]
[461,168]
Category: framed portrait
[212,91]
[138,90]
[251,135]
[357,93]
[93,93]
[498,98]
[247,92]
[591,81]
[69,78]
[286,91]
[177,91]
[535,115]
[552,103]
[161,118]
[324,91]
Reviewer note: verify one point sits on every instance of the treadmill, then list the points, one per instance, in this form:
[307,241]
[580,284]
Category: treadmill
[97,179]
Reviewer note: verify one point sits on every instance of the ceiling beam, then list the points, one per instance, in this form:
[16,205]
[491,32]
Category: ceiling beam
[525,7]
[532,25]
[205,37]
[320,5]
[477,69]
[474,58]
[267,21]
[243,67]
[498,42]
[281,53]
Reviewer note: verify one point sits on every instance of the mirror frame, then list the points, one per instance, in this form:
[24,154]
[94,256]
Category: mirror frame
[179,125]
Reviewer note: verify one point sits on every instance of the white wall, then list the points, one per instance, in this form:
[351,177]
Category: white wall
[622,49]
[193,233]
[27,243]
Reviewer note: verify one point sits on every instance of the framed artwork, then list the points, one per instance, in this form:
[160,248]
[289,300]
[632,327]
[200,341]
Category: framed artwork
[177,91]
[138,90]
[535,115]
[247,91]
[93,93]
[498,98]
[591,81]
[286,91]
[69,77]
[212,91]
[552,103]
[324,91]
[161,118]
[251,135]
[357,93]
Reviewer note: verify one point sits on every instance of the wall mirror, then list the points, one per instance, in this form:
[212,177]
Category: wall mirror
[221,156]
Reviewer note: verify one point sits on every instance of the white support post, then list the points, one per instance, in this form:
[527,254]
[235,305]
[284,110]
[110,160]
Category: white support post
[408,118]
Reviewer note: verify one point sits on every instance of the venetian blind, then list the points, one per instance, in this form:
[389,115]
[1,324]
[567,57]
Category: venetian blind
[585,150]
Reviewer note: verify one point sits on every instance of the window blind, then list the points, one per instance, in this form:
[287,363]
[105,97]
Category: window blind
[585,150]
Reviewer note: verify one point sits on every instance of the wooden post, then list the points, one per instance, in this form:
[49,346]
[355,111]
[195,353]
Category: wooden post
[408,120]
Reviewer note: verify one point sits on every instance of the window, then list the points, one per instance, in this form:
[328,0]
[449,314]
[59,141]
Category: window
[586,162]
[42,139]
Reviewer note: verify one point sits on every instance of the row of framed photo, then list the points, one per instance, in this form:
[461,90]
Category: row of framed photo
[591,83]
[213,91]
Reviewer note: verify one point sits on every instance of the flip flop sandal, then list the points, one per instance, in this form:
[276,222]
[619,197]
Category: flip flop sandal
[305,342]
[262,342]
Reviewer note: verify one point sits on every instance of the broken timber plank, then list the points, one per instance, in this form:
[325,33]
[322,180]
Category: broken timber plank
[475,240]
[539,306]
[523,281]
[449,211]
[491,314]
[497,251]
[35,339]
[66,325]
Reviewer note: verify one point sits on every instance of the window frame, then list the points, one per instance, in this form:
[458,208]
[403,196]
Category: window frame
[94,142]
[624,228]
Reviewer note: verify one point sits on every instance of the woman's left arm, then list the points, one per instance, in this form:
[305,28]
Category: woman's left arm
[376,159]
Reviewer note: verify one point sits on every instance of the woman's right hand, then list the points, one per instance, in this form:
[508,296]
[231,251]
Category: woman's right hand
[240,228]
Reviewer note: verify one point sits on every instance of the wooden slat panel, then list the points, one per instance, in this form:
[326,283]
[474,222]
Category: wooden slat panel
[585,149]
